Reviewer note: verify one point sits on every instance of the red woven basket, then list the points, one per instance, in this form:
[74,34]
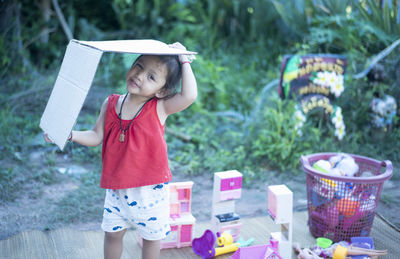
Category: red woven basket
[343,207]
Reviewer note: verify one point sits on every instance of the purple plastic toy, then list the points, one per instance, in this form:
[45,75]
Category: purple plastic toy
[204,245]
[363,242]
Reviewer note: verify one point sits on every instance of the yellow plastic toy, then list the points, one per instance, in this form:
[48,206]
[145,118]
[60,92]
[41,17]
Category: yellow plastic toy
[226,245]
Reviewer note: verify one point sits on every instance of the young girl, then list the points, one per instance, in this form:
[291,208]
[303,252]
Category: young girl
[134,154]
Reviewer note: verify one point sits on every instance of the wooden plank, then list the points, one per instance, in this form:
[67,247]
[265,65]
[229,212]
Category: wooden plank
[70,243]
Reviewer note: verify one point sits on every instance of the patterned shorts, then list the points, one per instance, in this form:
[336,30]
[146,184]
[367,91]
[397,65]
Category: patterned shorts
[146,208]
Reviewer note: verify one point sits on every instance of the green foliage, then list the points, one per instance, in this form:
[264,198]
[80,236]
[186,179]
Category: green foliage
[161,15]
[382,18]
[274,138]
[15,131]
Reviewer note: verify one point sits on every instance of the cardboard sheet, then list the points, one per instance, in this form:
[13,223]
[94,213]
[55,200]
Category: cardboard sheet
[75,78]
[134,46]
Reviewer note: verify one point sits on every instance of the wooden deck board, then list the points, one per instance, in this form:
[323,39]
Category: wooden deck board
[70,243]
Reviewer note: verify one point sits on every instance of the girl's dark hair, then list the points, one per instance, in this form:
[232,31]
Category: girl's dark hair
[174,75]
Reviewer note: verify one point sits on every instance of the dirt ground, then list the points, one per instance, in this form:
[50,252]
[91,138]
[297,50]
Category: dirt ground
[29,210]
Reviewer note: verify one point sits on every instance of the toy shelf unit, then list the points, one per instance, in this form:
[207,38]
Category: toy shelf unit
[227,189]
[181,219]
[280,208]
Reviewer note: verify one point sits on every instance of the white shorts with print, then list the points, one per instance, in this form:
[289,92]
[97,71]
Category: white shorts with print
[146,208]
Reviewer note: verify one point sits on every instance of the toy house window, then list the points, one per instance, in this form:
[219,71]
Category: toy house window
[184,207]
[174,209]
[183,194]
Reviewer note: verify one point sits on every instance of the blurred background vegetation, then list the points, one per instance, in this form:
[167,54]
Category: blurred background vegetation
[238,121]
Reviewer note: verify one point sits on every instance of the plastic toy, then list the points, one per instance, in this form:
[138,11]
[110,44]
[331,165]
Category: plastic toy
[305,253]
[269,251]
[324,242]
[363,242]
[204,245]
[181,219]
[341,252]
[359,248]
[227,188]
[326,167]
[347,207]
[280,208]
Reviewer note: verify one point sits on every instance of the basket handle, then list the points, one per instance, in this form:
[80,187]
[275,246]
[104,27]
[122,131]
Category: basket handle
[389,169]
[304,161]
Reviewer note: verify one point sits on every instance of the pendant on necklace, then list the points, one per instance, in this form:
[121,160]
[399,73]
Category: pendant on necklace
[122,137]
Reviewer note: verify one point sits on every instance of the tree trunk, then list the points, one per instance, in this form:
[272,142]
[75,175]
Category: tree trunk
[6,16]
[45,8]
[61,18]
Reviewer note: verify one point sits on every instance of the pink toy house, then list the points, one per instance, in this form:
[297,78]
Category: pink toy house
[227,188]
[269,251]
[181,219]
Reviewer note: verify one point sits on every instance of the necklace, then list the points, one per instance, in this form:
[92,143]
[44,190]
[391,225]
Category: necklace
[122,135]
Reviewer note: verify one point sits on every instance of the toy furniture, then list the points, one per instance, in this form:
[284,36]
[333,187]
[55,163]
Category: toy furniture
[181,219]
[280,208]
[227,188]
[269,251]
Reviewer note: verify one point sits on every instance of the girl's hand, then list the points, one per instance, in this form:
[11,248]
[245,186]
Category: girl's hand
[182,58]
[46,138]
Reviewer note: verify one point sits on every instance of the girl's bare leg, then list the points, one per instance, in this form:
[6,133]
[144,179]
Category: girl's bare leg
[151,249]
[113,244]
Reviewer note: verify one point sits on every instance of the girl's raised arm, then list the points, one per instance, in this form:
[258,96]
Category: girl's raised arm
[188,93]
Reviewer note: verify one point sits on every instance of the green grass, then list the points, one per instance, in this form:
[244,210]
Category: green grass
[82,204]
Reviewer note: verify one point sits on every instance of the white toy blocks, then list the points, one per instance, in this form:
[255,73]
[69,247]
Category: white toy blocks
[280,208]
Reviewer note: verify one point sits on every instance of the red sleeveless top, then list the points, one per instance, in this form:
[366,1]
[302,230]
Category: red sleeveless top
[142,158]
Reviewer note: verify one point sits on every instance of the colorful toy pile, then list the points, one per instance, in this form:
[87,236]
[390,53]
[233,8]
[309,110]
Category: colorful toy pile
[343,192]
[358,248]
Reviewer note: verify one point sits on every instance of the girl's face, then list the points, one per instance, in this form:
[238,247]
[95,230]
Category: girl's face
[147,77]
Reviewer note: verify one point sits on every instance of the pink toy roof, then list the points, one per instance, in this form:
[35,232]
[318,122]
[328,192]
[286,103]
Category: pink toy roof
[256,252]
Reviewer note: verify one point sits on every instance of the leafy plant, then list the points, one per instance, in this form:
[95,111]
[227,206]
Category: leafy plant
[382,18]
